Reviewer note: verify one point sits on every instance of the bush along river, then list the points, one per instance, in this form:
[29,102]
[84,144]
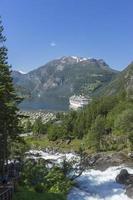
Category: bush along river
[105,181]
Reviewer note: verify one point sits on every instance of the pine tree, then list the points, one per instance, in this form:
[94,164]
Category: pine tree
[38,126]
[9,118]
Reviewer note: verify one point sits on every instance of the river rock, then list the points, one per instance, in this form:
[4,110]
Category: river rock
[123,177]
[129,191]
[127,179]
[103,160]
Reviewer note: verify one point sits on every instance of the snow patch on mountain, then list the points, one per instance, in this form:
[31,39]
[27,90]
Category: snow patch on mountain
[22,72]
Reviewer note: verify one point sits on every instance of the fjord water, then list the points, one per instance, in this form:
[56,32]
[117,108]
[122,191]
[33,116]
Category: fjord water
[35,105]
[92,184]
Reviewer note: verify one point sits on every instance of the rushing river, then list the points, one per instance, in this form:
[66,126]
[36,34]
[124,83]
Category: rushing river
[92,184]
[99,185]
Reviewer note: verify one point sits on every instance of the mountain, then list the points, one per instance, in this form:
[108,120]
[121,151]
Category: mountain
[123,82]
[57,80]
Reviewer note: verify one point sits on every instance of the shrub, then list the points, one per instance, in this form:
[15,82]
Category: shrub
[39,188]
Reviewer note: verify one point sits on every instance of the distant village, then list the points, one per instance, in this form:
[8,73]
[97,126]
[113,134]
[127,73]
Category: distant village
[33,115]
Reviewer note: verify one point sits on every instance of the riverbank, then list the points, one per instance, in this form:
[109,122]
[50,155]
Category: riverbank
[42,142]
[100,160]
[98,180]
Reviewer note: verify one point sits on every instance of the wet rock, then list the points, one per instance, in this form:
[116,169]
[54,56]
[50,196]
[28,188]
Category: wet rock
[127,179]
[123,177]
[129,191]
[102,161]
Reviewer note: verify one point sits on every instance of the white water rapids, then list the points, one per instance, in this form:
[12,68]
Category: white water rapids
[99,185]
[92,184]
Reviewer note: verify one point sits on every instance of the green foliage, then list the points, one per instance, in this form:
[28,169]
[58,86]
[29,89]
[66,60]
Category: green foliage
[57,181]
[24,193]
[28,126]
[9,118]
[34,172]
[55,132]
[124,121]
[121,84]
[18,148]
[36,175]
[97,132]
[124,124]
[105,124]
[43,142]
[38,126]
[39,188]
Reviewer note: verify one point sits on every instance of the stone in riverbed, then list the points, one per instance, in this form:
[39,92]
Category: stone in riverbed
[103,160]
[127,179]
[123,177]
[129,191]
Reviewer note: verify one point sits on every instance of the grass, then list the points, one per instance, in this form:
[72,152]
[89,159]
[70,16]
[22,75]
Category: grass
[27,194]
[75,145]
[43,142]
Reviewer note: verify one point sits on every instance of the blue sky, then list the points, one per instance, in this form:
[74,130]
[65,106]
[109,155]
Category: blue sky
[41,30]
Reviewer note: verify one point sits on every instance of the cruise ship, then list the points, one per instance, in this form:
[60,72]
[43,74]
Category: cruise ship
[78,101]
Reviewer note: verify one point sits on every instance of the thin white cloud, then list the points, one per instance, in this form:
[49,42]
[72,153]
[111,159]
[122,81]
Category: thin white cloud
[52,44]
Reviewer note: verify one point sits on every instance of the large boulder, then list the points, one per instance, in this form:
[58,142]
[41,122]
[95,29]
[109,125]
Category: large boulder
[123,177]
[103,160]
[127,179]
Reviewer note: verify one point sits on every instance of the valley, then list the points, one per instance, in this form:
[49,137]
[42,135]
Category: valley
[50,86]
[101,130]
[66,100]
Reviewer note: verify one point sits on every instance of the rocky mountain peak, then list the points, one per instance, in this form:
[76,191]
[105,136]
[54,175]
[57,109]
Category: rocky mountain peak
[73,59]
[60,78]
